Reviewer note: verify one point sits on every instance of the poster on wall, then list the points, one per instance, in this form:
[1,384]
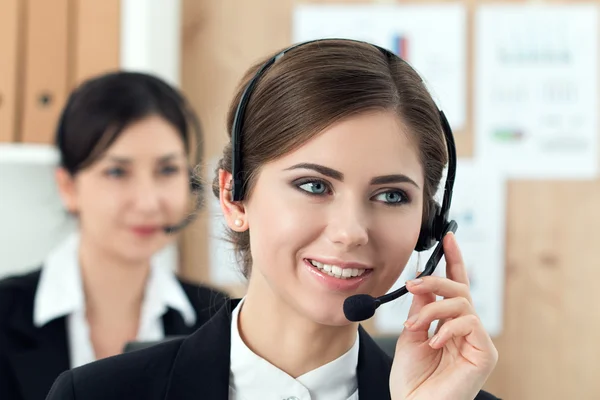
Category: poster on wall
[536,90]
[478,206]
[432,38]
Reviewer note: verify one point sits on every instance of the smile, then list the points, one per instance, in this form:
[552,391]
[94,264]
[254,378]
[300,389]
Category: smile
[336,271]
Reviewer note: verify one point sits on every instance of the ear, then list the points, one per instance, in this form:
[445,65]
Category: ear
[234,211]
[66,189]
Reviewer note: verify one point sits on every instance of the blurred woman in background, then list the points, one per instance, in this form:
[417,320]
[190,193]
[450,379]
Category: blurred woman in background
[125,143]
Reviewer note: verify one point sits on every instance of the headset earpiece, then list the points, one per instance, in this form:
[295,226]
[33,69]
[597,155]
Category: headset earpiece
[196,186]
[431,228]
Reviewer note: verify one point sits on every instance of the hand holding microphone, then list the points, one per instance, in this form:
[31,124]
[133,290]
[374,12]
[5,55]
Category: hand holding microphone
[458,359]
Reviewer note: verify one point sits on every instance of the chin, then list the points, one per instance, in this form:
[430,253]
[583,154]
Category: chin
[325,309]
[136,253]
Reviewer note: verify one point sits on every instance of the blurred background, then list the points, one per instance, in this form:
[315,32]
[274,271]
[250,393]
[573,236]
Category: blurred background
[518,81]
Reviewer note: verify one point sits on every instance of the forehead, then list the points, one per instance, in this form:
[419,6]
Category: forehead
[364,145]
[151,135]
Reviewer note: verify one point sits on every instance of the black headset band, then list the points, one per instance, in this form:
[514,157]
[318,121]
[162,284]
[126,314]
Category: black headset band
[238,176]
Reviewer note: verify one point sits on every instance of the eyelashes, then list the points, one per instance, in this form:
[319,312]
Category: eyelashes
[314,187]
[321,188]
[120,172]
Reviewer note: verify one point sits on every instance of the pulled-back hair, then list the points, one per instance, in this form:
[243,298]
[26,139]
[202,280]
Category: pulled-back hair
[321,83]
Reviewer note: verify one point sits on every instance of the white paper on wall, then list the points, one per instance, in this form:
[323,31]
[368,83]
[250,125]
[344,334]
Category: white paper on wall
[432,38]
[536,97]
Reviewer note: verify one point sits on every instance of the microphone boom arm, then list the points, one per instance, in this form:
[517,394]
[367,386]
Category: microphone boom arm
[432,263]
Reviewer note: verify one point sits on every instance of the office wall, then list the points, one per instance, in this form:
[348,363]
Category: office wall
[548,348]
[48,48]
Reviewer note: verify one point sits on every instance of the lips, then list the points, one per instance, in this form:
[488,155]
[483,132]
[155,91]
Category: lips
[144,230]
[338,276]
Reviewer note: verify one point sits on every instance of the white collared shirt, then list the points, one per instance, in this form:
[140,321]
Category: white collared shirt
[254,378]
[60,293]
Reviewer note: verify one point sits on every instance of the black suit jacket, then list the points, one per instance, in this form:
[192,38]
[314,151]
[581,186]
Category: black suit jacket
[32,358]
[197,367]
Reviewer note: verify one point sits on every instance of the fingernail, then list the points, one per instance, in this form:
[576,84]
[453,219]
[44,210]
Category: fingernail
[411,321]
[433,340]
[415,282]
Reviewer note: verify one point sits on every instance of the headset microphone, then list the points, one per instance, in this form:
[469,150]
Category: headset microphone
[171,229]
[362,306]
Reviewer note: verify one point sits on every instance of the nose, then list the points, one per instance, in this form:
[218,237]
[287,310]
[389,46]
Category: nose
[348,225]
[146,195]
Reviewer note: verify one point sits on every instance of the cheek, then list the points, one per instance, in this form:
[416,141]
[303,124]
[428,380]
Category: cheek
[178,198]
[396,239]
[99,205]
[279,228]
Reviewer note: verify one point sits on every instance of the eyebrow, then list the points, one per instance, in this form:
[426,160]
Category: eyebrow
[337,175]
[161,159]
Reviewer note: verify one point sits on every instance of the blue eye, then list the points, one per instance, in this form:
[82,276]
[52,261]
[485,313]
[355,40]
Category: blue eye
[393,197]
[115,172]
[169,170]
[314,187]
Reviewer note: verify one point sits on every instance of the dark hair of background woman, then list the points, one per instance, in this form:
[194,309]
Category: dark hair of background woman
[101,108]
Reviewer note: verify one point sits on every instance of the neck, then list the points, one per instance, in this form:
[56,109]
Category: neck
[279,334]
[113,287]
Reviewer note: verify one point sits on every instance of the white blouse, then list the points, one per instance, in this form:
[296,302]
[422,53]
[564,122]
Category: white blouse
[60,293]
[254,378]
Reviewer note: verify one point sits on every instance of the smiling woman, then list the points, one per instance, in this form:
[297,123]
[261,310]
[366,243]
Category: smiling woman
[317,203]
[336,150]
[125,141]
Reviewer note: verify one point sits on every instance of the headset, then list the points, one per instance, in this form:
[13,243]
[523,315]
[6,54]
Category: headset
[362,306]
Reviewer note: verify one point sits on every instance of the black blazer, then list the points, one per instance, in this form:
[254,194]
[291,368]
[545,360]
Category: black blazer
[31,358]
[197,367]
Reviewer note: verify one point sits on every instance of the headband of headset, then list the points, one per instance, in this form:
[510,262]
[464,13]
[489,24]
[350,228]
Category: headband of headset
[439,215]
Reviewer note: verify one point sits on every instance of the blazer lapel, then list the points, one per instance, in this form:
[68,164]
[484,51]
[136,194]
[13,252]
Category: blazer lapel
[173,324]
[202,362]
[373,369]
[38,356]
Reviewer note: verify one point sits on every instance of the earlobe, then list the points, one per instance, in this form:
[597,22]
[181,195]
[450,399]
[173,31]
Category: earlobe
[66,189]
[234,211]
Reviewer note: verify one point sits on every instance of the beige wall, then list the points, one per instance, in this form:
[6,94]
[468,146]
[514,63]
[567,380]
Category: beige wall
[549,347]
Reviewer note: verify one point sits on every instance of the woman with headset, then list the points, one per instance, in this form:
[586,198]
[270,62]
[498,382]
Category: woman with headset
[125,141]
[336,150]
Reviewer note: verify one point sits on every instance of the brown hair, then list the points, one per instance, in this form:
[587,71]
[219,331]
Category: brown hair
[317,85]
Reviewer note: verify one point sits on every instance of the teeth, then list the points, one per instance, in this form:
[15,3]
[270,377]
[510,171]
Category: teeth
[337,272]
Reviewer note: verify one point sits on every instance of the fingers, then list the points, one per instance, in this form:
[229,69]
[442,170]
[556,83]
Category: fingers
[440,310]
[455,265]
[418,303]
[439,286]
[469,328]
